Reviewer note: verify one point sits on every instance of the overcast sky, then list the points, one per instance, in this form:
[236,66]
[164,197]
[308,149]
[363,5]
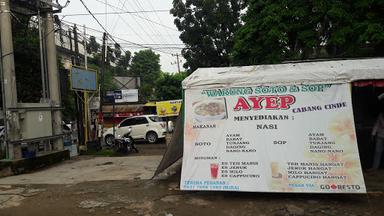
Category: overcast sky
[151,29]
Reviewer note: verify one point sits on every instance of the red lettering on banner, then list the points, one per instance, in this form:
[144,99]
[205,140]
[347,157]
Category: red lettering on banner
[286,101]
[271,102]
[242,104]
[256,102]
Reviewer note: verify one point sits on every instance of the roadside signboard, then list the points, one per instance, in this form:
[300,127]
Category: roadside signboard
[122,96]
[168,108]
[127,95]
[83,80]
[297,138]
[110,97]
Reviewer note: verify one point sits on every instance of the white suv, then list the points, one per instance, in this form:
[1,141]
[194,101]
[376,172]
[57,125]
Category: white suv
[149,127]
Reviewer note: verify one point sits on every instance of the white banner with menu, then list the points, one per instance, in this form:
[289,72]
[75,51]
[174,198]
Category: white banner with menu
[298,138]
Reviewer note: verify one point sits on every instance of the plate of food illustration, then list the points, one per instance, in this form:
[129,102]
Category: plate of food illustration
[208,110]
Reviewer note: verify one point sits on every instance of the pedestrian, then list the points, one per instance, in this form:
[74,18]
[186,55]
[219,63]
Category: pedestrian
[378,136]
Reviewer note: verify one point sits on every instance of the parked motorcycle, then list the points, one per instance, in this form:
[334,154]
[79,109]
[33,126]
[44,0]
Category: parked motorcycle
[124,144]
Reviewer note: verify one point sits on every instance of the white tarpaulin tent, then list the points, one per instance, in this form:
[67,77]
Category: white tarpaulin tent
[274,128]
[341,71]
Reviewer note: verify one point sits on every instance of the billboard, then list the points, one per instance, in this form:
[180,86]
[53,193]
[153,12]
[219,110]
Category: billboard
[122,96]
[297,138]
[168,108]
[83,80]
[127,95]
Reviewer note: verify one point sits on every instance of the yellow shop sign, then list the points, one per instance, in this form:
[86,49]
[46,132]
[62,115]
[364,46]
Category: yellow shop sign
[168,108]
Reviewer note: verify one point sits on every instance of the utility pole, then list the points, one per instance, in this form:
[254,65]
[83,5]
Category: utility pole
[86,101]
[79,97]
[77,101]
[53,78]
[76,38]
[71,46]
[177,61]
[103,66]
[9,79]
[85,48]
[43,64]
[103,58]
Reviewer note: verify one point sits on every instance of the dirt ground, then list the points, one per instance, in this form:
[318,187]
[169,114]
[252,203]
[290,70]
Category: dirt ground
[112,188]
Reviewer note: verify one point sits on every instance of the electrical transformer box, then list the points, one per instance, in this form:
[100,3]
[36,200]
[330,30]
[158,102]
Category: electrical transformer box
[35,120]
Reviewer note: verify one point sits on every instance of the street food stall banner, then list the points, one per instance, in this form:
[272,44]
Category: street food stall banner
[168,108]
[297,138]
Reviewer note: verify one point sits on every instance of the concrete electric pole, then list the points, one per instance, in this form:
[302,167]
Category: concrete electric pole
[53,77]
[9,78]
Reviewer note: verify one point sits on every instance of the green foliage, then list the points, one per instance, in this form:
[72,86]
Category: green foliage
[95,59]
[108,80]
[27,66]
[117,62]
[68,102]
[27,60]
[111,58]
[275,31]
[146,65]
[123,64]
[124,60]
[108,76]
[67,95]
[168,86]
[117,51]
[207,28]
[92,46]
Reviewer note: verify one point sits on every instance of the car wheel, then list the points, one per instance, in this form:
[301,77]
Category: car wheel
[109,139]
[151,137]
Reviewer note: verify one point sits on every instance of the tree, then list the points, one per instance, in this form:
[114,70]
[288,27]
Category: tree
[207,29]
[123,64]
[117,51]
[111,58]
[275,31]
[92,46]
[28,67]
[146,65]
[27,60]
[168,86]
[124,60]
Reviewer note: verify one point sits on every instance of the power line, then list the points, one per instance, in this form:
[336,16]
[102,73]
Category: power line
[133,29]
[114,13]
[121,39]
[134,14]
[154,29]
[118,17]
[161,44]
[85,6]
[98,22]
[129,26]
[158,48]
[150,4]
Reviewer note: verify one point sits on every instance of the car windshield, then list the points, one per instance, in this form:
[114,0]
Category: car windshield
[155,118]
